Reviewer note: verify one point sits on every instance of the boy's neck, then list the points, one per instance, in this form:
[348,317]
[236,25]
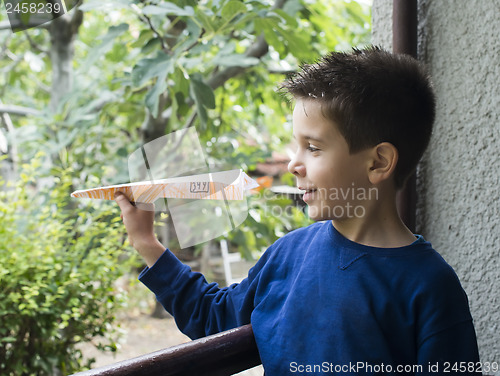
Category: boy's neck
[380,227]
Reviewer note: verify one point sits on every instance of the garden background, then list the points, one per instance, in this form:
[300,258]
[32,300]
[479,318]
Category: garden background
[79,94]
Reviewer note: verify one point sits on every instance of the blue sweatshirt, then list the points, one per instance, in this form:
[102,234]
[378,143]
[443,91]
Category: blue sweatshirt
[321,304]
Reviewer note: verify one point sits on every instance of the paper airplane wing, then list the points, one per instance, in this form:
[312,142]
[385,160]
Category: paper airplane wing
[224,185]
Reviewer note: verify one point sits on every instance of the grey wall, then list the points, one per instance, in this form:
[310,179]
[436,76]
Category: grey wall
[458,180]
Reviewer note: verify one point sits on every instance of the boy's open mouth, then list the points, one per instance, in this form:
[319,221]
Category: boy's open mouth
[308,190]
[308,193]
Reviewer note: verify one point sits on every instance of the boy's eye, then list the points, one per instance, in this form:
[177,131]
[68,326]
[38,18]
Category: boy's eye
[312,148]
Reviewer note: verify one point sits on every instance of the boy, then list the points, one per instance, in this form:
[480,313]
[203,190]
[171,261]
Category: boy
[356,292]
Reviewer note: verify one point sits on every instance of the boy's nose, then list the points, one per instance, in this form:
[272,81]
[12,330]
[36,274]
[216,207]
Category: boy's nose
[296,168]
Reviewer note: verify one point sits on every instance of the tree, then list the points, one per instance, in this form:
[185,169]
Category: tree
[172,62]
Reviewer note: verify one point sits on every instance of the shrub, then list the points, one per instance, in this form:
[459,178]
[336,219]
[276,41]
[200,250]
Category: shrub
[59,264]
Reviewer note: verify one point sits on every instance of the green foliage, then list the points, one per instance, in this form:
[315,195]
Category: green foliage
[57,275]
[161,58]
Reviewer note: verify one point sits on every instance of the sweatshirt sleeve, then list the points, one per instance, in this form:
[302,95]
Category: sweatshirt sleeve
[452,351]
[200,308]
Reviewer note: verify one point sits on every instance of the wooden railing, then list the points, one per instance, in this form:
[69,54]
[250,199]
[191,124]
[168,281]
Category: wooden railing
[221,354]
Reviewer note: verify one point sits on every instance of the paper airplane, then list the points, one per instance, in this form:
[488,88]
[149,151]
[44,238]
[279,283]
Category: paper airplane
[223,185]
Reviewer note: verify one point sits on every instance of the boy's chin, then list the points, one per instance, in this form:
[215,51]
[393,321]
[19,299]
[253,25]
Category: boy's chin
[337,212]
[316,214]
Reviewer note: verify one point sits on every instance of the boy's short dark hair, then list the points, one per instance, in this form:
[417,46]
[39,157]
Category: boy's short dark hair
[374,96]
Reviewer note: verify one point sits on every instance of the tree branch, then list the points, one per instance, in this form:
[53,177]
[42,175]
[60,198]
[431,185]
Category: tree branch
[156,127]
[257,50]
[33,44]
[18,110]
[6,120]
[62,35]
[4,25]
[4,148]
[157,33]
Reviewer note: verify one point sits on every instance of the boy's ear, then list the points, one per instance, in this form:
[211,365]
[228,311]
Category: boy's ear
[383,160]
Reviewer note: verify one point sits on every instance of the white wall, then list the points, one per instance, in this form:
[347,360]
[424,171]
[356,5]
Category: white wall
[458,180]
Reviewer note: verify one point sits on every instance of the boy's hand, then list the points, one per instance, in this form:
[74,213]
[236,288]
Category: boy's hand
[140,228]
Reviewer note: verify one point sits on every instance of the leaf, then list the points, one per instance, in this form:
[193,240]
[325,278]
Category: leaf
[292,7]
[114,31]
[8,339]
[205,21]
[107,43]
[295,43]
[152,45]
[167,8]
[144,37]
[243,20]
[153,95]
[235,60]
[203,97]
[232,8]
[153,10]
[193,33]
[147,69]
[267,26]
[202,92]
[110,4]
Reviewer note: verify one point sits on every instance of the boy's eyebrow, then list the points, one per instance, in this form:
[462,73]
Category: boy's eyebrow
[312,138]
[308,138]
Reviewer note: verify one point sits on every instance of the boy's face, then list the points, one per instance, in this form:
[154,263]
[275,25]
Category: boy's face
[330,175]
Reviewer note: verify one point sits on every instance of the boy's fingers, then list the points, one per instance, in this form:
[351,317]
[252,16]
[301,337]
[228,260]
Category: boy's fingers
[122,201]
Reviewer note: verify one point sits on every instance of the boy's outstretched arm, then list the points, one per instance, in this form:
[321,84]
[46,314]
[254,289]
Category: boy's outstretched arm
[199,308]
[140,228]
